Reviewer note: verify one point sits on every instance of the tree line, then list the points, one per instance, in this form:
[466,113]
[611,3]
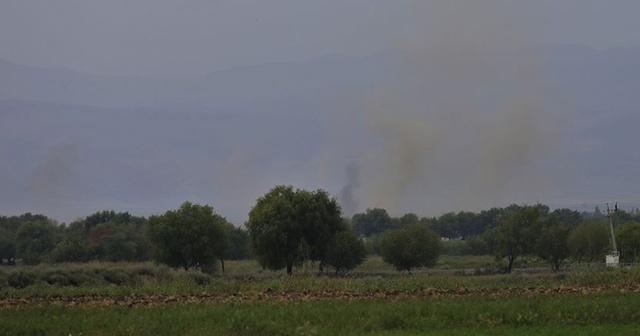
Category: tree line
[289,227]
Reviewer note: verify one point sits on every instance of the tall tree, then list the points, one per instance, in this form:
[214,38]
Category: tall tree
[552,242]
[516,233]
[34,240]
[287,226]
[191,237]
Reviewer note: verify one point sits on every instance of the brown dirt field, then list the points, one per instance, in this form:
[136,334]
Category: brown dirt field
[292,296]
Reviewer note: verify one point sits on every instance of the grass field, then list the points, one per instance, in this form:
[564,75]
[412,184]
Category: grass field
[145,299]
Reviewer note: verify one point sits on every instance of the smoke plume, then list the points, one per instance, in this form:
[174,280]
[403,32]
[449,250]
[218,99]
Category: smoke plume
[464,118]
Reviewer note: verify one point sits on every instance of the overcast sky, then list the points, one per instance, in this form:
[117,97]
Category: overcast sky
[186,37]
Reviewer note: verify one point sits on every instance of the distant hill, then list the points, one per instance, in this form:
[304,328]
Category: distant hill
[74,143]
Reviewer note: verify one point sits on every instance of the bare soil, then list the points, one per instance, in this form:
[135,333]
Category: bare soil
[294,296]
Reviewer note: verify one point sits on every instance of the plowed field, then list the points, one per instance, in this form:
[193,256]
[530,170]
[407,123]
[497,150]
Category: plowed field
[293,296]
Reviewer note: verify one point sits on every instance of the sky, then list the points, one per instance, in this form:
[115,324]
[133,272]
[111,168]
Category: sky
[192,37]
[449,57]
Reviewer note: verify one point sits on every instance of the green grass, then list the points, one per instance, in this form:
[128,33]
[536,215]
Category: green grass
[609,312]
[605,313]
[146,278]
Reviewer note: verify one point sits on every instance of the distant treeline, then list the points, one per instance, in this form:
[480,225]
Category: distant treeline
[508,233]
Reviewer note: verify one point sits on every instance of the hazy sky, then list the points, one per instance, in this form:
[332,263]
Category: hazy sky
[170,37]
[443,85]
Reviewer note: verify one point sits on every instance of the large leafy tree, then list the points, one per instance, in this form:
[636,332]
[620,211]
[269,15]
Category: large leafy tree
[34,240]
[412,246]
[287,226]
[516,232]
[192,236]
[8,231]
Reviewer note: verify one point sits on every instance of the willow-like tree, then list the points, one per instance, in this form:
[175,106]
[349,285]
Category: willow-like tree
[288,226]
[193,236]
[517,232]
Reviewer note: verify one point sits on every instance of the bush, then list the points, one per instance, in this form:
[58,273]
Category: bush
[345,251]
[116,277]
[412,246]
[21,279]
[199,278]
[56,278]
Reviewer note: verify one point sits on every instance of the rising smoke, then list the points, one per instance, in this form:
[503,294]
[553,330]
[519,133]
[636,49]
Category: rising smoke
[54,174]
[464,120]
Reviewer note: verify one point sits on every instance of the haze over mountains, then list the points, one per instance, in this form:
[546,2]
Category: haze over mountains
[75,143]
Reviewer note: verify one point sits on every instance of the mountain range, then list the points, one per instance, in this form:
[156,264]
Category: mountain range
[73,143]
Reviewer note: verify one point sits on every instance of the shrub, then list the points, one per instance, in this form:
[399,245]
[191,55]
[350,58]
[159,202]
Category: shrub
[21,279]
[412,246]
[345,251]
[116,277]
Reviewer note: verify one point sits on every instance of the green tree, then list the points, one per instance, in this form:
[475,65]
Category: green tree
[320,219]
[590,241]
[72,249]
[373,221]
[192,236]
[8,230]
[447,226]
[628,240]
[552,244]
[516,233]
[477,245]
[7,246]
[34,240]
[345,251]
[569,217]
[288,226]
[408,218]
[410,247]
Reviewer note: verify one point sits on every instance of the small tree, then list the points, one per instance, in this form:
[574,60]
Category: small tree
[410,247]
[190,237]
[345,251]
[590,241]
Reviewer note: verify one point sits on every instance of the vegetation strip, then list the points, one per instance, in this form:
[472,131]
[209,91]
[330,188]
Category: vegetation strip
[163,299]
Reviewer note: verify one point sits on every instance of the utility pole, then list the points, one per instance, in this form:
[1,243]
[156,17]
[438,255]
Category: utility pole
[613,259]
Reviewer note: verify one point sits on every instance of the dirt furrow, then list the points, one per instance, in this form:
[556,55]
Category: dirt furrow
[294,296]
